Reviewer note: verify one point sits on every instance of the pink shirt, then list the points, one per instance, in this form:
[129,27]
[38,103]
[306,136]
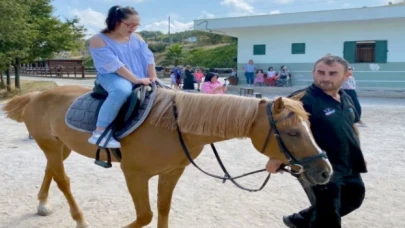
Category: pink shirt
[259,77]
[208,87]
[198,76]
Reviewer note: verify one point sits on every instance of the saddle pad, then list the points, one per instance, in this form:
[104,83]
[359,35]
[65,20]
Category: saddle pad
[83,112]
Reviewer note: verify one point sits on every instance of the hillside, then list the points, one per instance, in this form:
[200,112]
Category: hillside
[203,45]
[208,50]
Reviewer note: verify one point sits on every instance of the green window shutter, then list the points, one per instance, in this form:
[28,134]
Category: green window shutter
[381,51]
[259,49]
[298,48]
[349,51]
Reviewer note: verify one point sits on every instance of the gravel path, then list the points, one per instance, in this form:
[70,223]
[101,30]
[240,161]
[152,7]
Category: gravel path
[199,200]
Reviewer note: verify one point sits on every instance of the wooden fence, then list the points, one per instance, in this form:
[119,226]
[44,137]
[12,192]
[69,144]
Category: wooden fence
[88,72]
[70,72]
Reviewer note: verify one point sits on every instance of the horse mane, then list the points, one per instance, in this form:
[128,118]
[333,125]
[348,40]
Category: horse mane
[294,106]
[225,116]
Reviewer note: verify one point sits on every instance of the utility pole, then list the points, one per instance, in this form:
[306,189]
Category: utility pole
[170,36]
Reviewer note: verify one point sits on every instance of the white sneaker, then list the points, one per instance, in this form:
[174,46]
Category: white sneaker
[112,143]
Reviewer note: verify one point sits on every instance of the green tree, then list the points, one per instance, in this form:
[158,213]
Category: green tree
[15,34]
[152,35]
[29,32]
[174,55]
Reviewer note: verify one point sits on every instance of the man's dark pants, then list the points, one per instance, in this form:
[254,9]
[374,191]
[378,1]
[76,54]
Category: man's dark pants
[334,200]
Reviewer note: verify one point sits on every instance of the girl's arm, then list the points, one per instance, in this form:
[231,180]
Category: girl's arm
[149,57]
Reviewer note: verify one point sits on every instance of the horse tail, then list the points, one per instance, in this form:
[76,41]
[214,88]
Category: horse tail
[15,107]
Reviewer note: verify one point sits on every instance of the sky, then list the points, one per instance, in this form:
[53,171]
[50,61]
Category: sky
[155,13]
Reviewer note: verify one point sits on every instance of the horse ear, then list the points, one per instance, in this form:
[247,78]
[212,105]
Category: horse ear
[278,105]
[262,102]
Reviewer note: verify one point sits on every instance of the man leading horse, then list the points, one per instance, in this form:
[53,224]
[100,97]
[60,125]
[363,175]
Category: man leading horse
[332,118]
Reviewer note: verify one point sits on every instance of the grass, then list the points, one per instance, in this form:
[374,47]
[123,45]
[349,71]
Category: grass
[26,87]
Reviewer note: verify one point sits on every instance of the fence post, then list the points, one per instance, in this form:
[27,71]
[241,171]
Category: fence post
[82,71]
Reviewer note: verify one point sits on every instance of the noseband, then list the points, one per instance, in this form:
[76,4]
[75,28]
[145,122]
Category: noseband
[291,167]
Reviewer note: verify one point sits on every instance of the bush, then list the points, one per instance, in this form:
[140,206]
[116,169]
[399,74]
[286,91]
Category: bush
[222,57]
[157,48]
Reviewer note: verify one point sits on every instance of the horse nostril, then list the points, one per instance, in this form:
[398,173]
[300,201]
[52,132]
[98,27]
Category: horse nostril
[325,174]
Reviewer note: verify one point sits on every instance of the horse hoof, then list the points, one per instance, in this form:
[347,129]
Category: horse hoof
[44,210]
[82,225]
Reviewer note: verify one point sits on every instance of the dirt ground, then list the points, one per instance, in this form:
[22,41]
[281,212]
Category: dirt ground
[199,200]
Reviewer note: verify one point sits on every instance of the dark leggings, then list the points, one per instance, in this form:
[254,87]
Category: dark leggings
[352,93]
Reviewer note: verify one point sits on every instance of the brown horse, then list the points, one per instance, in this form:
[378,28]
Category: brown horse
[154,148]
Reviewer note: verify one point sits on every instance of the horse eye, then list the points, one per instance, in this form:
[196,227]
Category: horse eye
[293,133]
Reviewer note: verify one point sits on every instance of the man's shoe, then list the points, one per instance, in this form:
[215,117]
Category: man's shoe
[287,221]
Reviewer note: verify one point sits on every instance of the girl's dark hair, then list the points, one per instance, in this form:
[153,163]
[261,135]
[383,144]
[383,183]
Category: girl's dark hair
[270,68]
[209,76]
[115,15]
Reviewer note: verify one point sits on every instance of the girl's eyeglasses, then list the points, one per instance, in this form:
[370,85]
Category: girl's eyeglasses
[130,26]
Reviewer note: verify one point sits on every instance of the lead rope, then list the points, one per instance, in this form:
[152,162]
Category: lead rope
[227,176]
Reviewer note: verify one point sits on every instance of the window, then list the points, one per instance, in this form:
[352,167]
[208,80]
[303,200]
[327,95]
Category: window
[259,49]
[298,48]
[365,51]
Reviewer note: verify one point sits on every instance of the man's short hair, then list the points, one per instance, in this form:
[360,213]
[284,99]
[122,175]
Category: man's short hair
[330,59]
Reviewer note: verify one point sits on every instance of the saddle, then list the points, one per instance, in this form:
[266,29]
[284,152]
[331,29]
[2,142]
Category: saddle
[83,112]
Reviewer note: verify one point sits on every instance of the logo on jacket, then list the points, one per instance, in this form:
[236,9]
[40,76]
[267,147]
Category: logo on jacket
[329,111]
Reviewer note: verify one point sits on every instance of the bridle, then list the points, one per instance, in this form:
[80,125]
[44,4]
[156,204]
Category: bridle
[290,167]
[292,161]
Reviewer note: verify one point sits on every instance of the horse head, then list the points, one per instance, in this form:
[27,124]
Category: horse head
[282,132]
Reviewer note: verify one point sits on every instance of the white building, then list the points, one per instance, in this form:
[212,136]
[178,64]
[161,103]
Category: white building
[371,38]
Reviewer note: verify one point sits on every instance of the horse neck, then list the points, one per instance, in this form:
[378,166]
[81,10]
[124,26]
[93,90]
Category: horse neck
[202,139]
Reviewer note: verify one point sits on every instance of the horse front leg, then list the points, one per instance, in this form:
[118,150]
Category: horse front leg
[166,185]
[138,187]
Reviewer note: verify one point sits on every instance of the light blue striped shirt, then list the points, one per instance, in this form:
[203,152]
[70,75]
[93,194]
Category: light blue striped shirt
[134,54]
[250,68]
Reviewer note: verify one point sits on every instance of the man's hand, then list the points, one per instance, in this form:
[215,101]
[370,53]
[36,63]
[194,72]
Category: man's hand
[272,166]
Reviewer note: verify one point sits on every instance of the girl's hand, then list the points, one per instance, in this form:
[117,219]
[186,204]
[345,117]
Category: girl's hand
[144,81]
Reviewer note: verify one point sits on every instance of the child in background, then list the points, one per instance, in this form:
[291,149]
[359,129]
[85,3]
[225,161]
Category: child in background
[259,77]
[198,75]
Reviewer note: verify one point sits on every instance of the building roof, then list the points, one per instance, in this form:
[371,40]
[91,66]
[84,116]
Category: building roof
[222,25]
[397,3]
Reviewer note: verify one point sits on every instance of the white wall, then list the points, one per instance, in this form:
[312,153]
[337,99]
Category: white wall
[319,40]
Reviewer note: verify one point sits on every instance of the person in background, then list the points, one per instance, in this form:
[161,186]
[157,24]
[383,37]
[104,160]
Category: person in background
[177,73]
[198,75]
[188,83]
[233,73]
[122,59]
[271,76]
[349,86]
[259,77]
[211,84]
[249,72]
[173,81]
[283,75]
